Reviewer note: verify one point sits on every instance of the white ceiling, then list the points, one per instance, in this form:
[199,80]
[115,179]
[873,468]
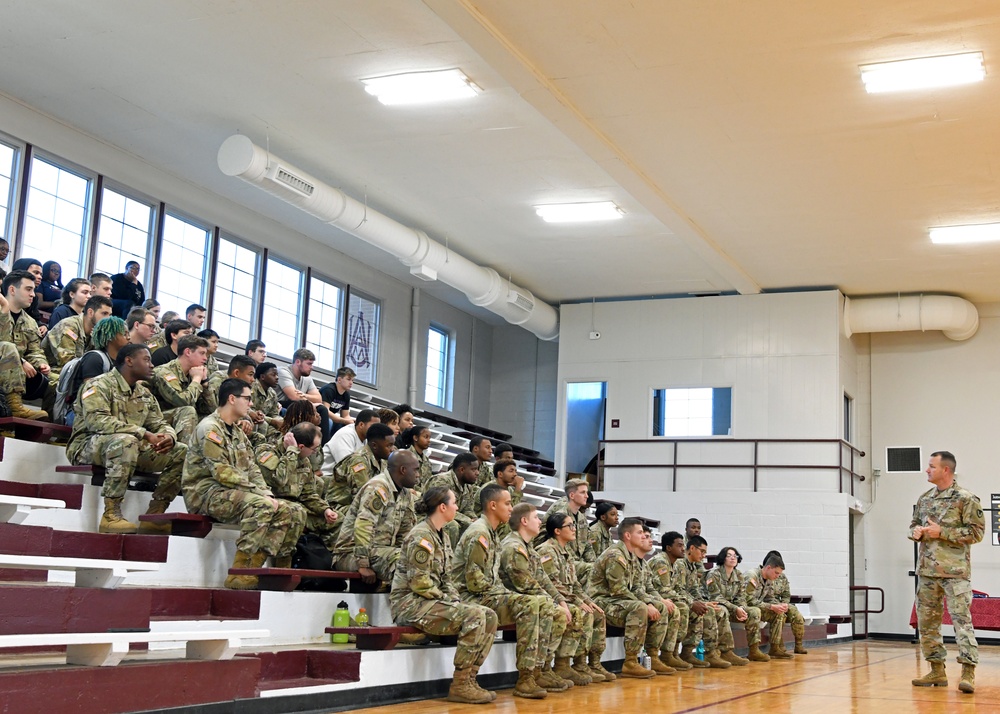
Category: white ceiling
[737,136]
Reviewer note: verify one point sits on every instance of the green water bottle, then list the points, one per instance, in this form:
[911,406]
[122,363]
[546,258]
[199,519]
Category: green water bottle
[362,618]
[341,618]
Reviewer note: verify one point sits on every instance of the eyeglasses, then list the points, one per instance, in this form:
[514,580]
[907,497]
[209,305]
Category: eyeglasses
[569,525]
[248,397]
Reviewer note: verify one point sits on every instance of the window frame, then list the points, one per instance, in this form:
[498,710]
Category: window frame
[447,367]
[167,211]
[338,350]
[15,194]
[300,313]
[261,257]
[154,226]
[713,387]
[351,291]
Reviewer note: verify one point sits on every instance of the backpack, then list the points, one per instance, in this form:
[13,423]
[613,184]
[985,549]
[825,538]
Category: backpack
[69,385]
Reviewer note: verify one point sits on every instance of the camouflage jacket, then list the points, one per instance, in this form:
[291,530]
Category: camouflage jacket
[618,575]
[757,590]
[581,548]
[290,476]
[503,530]
[24,335]
[350,475]
[689,581]
[158,340]
[561,569]
[465,494]
[426,472]
[107,405]
[64,342]
[264,399]
[521,569]
[219,456]
[209,400]
[600,538]
[380,516]
[727,590]
[960,516]
[174,388]
[485,473]
[662,574]
[424,566]
[782,589]
[475,569]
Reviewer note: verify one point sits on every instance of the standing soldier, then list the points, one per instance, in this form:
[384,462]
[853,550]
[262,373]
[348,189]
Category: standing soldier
[423,596]
[946,521]
[758,585]
[725,586]
[461,479]
[662,572]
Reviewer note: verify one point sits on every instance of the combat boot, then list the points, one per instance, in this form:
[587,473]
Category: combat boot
[242,582]
[657,665]
[632,668]
[687,655]
[547,680]
[113,521]
[671,658]
[527,687]
[563,670]
[475,683]
[937,677]
[284,561]
[968,683]
[581,668]
[464,692]
[17,409]
[778,651]
[156,506]
[715,661]
[799,631]
[734,659]
[594,663]
[756,655]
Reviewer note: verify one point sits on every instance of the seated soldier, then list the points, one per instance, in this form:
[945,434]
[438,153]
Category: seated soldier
[71,337]
[606,518]
[616,585]
[503,451]
[141,325]
[160,334]
[288,472]
[390,419]
[706,617]
[377,521]
[264,399]
[357,469]
[347,441]
[108,338]
[671,614]
[475,572]
[725,586]
[119,426]
[782,594]
[521,572]
[23,367]
[661,570]
[482,449]
[424,596]
[180,386]
[505,475]
[418,440]
[461,479]
[575,504]
[173,331]
[222,481]
[212,337]
[587,634]
[240,367]
[758,585]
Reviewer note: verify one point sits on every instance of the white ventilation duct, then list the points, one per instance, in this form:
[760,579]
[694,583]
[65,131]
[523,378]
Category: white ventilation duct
[426,258]
[957,317]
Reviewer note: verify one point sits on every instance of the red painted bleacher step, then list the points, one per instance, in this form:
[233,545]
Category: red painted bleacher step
[28,609]
[70,493]
[204,603]
[43,540]
[306,668]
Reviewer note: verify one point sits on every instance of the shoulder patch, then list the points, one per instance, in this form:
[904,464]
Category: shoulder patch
[621,560]
[213,436]
[266,455]
[521,549]
[753,581]
[484,542]
[72,335]
[426,545]
[382,492]
[358,467]
[169,377]
[90,392]
[546,558]
[663,571]
[421,556]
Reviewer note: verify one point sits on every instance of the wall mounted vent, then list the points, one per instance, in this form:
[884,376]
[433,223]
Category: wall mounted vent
[516,297]
[903,459]
[286,178]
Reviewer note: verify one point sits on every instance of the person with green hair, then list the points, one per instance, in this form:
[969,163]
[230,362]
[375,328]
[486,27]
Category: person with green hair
[109,336]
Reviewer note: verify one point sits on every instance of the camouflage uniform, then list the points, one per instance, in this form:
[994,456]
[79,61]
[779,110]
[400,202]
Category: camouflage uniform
[221,480]
[291,479]
[661,573]
[591,626]
[600,538]
[212,364]
[944,569]
[424,597]
[760,593]
[64,342]
[485,473]
[179,396]
[521,571]
[689,583]
[503,530]
[209,401]
[111,422]
[348,477]
[581,549]
[375,526]
[465,494]
[426,472]
[264,400]
[783,593]
[159,340]
[616,584]
[728,591]
[23,336]
[475,571]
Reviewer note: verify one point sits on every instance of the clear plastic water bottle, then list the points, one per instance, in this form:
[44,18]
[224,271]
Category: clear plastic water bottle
[644,658]
[700,652]
[362,618]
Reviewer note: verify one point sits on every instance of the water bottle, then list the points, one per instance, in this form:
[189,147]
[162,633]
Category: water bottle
[644,658]
[341,618]
[362,618]
[700,652]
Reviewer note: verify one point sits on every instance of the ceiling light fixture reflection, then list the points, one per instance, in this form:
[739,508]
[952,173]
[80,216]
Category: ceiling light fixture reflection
[579,212]
[923,73]
[421,87]
[980,233]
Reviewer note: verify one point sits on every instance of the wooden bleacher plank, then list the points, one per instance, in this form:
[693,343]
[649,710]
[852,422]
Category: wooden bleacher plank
[90,572]
[140,481]
[288,579]
[15,509]
[189,525]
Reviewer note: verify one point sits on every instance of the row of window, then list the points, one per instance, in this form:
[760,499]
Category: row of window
[251,293]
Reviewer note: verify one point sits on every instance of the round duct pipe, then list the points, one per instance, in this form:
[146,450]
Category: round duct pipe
[426,258]
[955,316]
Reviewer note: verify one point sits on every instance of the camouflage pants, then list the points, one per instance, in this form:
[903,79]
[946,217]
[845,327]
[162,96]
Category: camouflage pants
[475,625]
[775,620]
[552,630]
[931,592]
[639,631]
[599,636]
[11,372]
[122,454]
[678,625]
[523,612]
[183,420]
[263,527]
[578,639]
[583,569]
[705,627]
[751,625]
[381,559]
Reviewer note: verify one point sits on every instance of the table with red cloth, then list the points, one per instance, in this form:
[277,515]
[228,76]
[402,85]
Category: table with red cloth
[985,613]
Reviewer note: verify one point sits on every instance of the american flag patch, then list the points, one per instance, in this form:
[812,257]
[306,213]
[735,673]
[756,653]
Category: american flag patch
[426,545]
[483,542]
[212,436]
[89,392]
[358,467]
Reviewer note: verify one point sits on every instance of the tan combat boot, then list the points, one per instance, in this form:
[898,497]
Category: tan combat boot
[474,673]
[658,666]
[565,671]
[527,687]
[113,521]
[464,692]
[632,668]
[596,668]
[547,680]
[17,409]
[968,683]
[687,655]
[756,655]
[715,661]
[581,668]
[778,651]
[242,582]
[799,631]
[935,678]
[156,506]
[671,658]
[734,659]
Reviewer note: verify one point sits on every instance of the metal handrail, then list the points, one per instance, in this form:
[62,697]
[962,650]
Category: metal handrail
[866,611]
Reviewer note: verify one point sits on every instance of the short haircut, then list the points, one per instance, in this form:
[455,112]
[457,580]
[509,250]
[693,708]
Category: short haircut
[253,346]
[524,508]
[669,538]
[208,334]
[73,286]
[463,459]
[947,458]
[387,416]
[502,447]
[230,388]
[190,342]
[554,522]
[14,278]
[168,317]
[96,302]
[239,363]
[96,278]
[475,441]
[151,303]
[306,433]
[574,485]
[136,316]
[627,526]
[303,355]
[128,350]
[342,372]
[106,330]
[501,465]
[175,326]
[774,561]
[366,415]
[402,409]
[194,307]
[697,542]
[490,492]
[263,368]
[131,263]
[377,432]
[689,521]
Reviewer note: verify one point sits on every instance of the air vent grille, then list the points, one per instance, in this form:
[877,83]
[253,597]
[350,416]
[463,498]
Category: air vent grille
[521,300]
[903,459]
[290,180]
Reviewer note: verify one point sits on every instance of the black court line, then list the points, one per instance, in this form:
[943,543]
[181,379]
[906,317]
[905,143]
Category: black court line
[786,684]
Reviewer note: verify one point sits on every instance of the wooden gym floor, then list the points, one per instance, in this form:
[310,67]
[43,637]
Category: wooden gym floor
[861,677]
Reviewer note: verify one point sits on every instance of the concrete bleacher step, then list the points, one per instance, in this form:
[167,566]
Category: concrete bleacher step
[288,579]
[189,525]
[71,494]
[46,541]
[89,572]
[295,669]
[16,509]
[140,481]
[47,609]
[168,604]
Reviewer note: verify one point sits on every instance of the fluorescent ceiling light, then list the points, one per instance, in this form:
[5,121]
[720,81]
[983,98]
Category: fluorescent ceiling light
[923,73]
[421,87]
[579,212]
[981,233]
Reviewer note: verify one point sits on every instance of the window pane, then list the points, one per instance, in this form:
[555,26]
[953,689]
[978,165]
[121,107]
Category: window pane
[236,274]
[436,384]
[181,276]
[699,411]
[8,161]
[57,216]
[361,349]
[280,326]
[323,328]
[123,234]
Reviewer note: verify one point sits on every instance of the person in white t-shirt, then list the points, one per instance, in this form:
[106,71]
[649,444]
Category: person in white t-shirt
[295,383]
[348,440]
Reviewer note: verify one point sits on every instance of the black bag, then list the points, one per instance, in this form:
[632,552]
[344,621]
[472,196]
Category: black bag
[4,406]
[312,554]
